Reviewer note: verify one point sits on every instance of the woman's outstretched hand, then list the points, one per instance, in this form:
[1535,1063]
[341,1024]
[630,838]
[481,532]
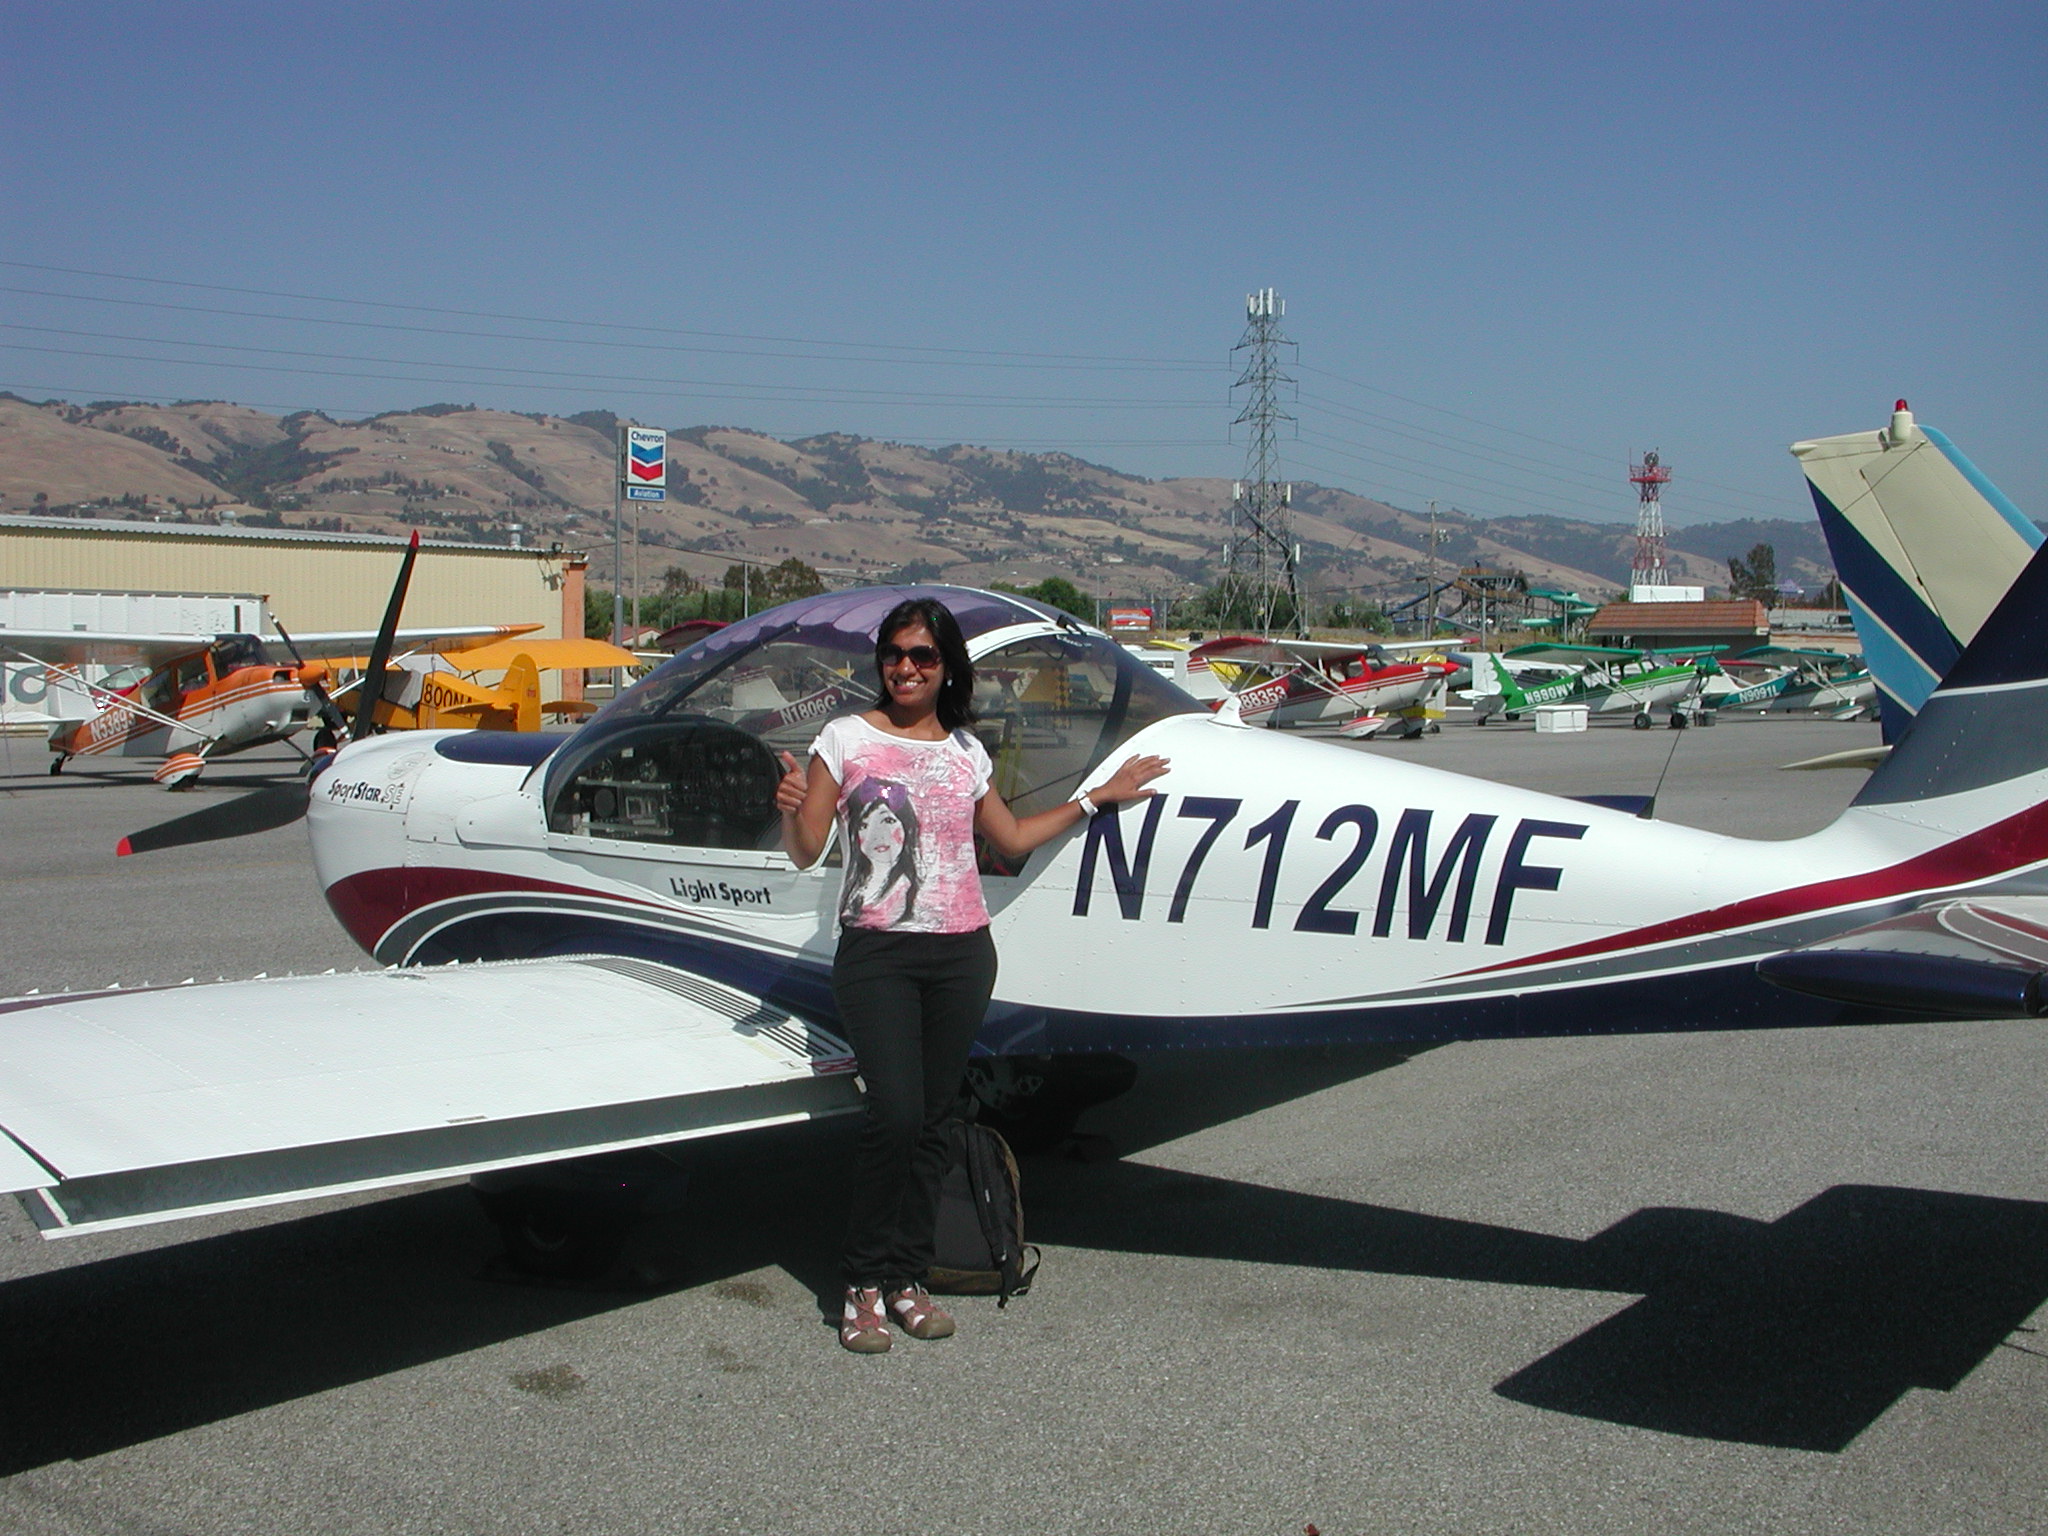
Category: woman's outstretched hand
[791,788]
[1129,781]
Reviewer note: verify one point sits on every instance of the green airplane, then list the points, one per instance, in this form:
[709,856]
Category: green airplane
[1609,679]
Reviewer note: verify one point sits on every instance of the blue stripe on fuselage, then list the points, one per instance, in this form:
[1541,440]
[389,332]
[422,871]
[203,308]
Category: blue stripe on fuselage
[1728,996]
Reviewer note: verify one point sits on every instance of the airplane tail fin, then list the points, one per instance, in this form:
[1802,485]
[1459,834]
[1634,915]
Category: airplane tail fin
[1924,546]
[1986,724]
[522,684]
[1494,684]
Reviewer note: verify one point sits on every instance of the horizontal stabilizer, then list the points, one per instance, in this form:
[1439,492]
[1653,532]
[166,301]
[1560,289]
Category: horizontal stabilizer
[1975,959]
[123,1108]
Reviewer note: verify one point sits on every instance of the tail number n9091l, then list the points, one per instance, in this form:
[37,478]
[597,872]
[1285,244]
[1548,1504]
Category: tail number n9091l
[1407,870]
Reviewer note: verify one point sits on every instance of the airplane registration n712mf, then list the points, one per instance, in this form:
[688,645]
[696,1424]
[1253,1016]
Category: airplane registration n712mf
[597,943]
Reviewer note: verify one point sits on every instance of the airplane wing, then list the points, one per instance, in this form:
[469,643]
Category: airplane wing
[1762,653]
[1573,655]
[342,646]
[1976,958]
[78,647]
[118,1109]
[548,654]
[1391,646]
[1252,650]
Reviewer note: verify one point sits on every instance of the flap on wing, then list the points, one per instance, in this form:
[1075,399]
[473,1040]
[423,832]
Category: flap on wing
[1980,958]
[155,1104]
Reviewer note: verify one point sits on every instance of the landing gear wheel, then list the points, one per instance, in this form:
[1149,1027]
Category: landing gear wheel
[548,1236]
[1033,1102]
[570,1221]
[56,766]
[1678,720]
[1643,721]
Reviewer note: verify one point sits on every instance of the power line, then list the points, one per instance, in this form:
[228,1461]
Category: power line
[600,325]
[586,341]
[969,397]
[1493,426]
[618,384]
[337,412]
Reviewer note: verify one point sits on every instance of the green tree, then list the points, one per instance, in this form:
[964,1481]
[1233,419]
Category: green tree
[1755,576]
[1243,609]
[765,586]
[1055,592]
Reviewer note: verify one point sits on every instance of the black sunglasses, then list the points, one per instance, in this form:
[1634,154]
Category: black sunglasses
[922,657]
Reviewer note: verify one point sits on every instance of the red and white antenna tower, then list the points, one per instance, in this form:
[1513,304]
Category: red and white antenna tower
[1648,477]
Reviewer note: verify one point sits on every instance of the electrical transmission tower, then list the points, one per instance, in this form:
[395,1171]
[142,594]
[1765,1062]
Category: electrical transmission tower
[1259,583]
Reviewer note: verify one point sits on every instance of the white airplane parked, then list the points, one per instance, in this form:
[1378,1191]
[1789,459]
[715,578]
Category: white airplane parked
[597,944]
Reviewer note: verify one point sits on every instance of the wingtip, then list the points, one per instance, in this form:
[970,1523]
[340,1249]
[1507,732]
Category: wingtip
[122,849]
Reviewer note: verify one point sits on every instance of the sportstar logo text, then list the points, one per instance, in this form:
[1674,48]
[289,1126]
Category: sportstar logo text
[372,794]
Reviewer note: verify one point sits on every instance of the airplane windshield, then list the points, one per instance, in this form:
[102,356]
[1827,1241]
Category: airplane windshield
[1054,706]
[233,651]
[691,755]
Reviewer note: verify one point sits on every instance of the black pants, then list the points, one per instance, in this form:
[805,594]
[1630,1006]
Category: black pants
[911,1004]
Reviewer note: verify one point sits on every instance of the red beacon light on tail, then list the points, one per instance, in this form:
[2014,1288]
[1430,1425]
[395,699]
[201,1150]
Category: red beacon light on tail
[1902,430]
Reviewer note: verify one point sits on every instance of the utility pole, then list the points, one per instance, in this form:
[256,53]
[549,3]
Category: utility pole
[619,546]
[1259,562]
[1432,570]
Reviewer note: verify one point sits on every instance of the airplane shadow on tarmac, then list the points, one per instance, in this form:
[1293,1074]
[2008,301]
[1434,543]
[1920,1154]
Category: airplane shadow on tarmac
[1797,1333]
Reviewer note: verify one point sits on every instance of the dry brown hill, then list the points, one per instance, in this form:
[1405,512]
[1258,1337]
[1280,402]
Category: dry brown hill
[845,504]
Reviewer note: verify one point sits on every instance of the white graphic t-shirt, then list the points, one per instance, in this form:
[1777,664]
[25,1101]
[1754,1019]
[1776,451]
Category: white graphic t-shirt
[906,825]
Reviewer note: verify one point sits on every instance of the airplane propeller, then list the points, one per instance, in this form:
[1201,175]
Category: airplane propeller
[260,810]
[331,716]
[278,805]
[380,653]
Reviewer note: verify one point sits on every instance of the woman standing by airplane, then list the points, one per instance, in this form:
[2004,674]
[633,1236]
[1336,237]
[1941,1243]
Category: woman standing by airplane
[915,967]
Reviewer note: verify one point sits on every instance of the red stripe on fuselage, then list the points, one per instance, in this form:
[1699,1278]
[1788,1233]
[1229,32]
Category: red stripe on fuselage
[190,710]
[370,903]
[2001,848]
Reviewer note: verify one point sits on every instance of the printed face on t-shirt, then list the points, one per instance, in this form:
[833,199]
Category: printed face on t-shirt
[880,835]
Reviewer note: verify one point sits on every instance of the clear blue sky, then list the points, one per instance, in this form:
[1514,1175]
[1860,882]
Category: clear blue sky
[1710,229]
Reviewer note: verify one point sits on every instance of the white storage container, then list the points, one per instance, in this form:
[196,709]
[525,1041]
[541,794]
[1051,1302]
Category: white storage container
[1556,718]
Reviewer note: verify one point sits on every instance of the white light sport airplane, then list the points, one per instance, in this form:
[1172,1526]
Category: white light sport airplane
[596,943]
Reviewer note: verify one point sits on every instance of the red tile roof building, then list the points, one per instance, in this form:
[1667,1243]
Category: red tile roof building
[1725,626]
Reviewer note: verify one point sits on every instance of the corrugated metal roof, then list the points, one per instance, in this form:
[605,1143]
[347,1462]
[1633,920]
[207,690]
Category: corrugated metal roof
[237,534]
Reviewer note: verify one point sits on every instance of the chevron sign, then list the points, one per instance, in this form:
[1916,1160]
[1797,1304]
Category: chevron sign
[646,456]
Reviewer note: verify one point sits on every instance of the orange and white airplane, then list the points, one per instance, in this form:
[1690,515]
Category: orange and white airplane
[187,699]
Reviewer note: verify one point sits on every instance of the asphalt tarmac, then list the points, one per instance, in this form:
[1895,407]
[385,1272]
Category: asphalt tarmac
[1782,1281]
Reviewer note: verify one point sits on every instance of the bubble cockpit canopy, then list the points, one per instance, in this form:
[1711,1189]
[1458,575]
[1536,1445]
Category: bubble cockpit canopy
[691,754]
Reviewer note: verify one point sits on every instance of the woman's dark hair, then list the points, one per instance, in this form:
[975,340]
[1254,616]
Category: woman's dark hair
[894,799]
[956,687]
